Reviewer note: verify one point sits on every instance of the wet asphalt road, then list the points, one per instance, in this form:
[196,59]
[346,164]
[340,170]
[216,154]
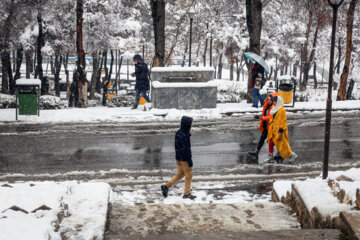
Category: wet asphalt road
[216,144]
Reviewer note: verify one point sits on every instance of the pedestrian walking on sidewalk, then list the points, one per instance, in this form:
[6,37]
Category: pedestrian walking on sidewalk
[257,79]
[142,80]
[183,159]
[278,130]
[264,124]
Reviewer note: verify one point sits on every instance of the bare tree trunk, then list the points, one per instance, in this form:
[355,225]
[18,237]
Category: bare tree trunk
[105,64]
[82,82]
[19,58]
[314,73]
[307,64]
[349,29]
[211,48]
[254,25]
[5,50]
[28,57]
[276,68]
[231,69]
[111,64]
[219,74]
[350,89]
[197,54]
[65,63]
[339,57]
[5,85]
[158,17]
[205,50]
[95,57]
[184,57]
[14,60]
[98,80]
[40,44]
[34,68]
[58,63]
[52,68]
[304,52]
[295,67]
[120,64]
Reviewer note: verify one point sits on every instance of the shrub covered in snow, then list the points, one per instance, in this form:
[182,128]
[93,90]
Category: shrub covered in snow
[7,101]
[46,102]
[51,102]
[120,101]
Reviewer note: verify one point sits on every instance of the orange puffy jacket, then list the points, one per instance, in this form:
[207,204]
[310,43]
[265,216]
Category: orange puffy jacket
[266,118]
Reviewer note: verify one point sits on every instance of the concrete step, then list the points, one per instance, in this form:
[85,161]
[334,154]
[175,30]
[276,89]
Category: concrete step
[351,225]
[187,219]
[304,234]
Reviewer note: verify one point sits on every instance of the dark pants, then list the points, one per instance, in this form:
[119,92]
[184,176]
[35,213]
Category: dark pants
[262,139]
[256,97]
[137,97]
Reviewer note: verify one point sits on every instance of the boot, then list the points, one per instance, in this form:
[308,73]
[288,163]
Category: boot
[269,159]
[254,153]
[134,107]
[164,190]
[292,158]
[278,158]
[189,196]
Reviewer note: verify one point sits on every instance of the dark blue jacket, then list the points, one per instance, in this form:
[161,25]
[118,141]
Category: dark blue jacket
[142,79]
[182,141]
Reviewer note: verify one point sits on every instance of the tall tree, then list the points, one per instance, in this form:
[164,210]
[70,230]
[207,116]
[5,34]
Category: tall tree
[158,17]
[40,44]
[5,47]
[81,82]
[341,95]
[254,24]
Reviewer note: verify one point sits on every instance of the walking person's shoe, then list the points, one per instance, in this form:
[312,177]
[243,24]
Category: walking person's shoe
[164,190]
[254,153]
[134,107]
[269,159]
[278,158]
[292,158]
[189,196]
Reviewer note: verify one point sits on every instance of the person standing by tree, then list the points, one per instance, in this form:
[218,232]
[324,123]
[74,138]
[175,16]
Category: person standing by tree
[142,80]
[183,159]
[257,74]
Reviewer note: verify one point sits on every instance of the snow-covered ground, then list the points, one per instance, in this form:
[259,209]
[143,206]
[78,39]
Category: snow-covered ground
[48,210]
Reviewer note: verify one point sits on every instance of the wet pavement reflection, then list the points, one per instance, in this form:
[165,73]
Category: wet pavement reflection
[61,151]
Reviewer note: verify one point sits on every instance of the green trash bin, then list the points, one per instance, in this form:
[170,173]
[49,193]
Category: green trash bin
[27,97]
[28,104]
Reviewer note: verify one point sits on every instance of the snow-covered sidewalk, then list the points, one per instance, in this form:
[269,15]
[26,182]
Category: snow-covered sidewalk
[125,114]
[50,210]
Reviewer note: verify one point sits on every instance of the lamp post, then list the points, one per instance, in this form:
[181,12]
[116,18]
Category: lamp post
[335,4]
[191,17]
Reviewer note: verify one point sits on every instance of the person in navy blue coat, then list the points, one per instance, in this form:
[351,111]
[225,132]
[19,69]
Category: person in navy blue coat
[142,80]
[183,158]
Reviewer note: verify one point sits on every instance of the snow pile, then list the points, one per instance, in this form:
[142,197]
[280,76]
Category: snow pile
[46,210]
[316,193]
[88,205]
[282,187]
